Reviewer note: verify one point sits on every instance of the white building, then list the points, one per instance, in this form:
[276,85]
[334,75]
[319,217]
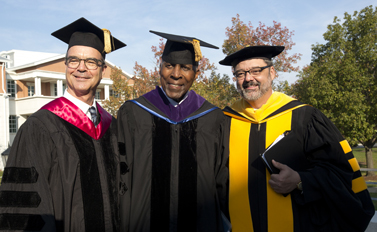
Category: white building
[29,80]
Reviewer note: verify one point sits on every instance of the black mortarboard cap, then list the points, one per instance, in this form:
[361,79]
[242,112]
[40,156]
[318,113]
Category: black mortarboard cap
[182,49]
[252,52]
[83,32]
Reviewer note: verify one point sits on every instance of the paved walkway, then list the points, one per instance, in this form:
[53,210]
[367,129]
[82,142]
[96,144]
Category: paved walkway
[372,189]
[373,224]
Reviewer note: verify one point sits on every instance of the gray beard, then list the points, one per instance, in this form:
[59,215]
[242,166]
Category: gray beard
[253,95]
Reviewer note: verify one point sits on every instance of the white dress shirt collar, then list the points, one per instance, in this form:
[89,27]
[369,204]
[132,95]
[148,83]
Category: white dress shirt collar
[173,102]
[80,104]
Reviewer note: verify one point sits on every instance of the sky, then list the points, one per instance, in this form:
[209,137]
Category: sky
[27,25]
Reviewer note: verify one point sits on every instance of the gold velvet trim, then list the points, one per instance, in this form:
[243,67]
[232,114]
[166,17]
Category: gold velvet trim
[275,102]
[346,147]
[279,208]
[239,205]
[358,184]
[354,164]
[263,121]
[236,117]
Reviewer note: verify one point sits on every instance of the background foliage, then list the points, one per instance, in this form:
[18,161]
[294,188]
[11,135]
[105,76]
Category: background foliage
[341,79]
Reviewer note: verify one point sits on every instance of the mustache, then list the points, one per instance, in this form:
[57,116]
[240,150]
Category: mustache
[81,75]
[250,83]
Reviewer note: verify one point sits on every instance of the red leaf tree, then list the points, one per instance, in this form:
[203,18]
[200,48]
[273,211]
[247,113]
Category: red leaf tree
[240,35]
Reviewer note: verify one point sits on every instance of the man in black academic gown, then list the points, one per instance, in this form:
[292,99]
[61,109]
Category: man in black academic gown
[318,187]
[62,171]
[171,139]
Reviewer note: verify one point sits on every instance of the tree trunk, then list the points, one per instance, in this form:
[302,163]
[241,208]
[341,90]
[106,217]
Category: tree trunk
[369,159]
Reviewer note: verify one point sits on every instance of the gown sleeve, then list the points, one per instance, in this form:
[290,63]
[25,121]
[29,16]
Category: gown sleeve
[333,187]
[222,173]
[124,120]
[25,196]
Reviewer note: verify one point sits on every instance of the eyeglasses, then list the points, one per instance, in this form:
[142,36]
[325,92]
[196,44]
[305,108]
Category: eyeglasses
[240,75]
[90,63]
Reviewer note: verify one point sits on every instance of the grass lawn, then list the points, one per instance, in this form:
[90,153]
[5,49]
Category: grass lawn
[359,153]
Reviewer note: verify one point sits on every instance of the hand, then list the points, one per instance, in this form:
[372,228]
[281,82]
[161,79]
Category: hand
[286,181]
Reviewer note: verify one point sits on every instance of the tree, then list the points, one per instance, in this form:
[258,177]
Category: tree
[145,80]
[217,90]
[341,80]
[282,86]
[241,35]
[121,92]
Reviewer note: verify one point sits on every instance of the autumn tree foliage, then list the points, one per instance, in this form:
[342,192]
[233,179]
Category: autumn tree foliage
[283,87]
[217,90]
[341,80]
[121,92]
[241,35]
[146,80]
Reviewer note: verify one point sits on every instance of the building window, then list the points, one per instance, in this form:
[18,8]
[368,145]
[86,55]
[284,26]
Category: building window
[30,89]
[98,95]
[113,93]
[7,63]
[56,89]
[11,88]
[12,124]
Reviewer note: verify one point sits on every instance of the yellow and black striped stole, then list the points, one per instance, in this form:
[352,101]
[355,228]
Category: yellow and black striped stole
[358,182]
[279,208]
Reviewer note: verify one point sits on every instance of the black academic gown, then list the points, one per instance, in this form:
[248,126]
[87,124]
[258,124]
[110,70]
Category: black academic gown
[176,171]
[62,173]
[334,196]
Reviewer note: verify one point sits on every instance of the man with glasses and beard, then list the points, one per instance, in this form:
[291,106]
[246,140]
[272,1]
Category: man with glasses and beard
[316,186]
[63,169]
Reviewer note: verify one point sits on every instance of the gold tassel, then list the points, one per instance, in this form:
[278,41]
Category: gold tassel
[198,53]
[108,40]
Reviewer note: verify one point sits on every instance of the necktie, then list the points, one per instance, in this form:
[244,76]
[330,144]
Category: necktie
[93,113]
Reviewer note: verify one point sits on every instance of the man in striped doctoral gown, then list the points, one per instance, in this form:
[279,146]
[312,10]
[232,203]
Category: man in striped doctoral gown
[323,192]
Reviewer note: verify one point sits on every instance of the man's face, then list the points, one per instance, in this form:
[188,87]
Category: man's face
[177,79]
[81,81]
[254,87]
